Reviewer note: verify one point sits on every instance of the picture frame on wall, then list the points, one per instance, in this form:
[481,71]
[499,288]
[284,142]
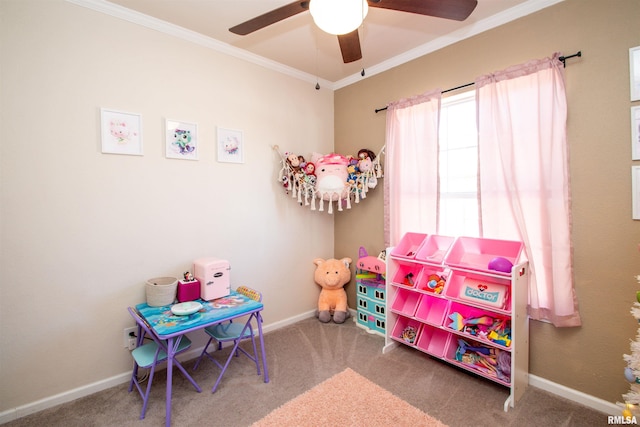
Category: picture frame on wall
[635,133]
[181,140]
[230,146]
[634,72]
[121,132]
[635,189]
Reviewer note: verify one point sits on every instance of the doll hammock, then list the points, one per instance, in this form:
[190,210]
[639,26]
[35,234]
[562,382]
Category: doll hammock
[330,178]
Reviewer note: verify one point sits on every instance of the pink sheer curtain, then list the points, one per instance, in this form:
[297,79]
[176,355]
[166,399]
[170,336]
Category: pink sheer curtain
[524,178]
[411,158]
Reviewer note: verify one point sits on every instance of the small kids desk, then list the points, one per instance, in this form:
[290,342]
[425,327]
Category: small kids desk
[170,327]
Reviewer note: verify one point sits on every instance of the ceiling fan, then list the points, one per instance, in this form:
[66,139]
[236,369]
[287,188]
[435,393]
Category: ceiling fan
[457,10]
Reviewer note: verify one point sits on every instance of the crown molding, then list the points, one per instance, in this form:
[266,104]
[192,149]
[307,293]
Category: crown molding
[486,24]
[138,18]
[489,23]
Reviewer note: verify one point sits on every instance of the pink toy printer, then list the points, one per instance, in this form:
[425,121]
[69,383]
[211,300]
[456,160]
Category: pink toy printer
[188,288]
[213,275]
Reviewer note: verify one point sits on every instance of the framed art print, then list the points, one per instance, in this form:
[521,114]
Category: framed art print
[634,72]
[230,146]
[121,132]
[635,133]
[181,140]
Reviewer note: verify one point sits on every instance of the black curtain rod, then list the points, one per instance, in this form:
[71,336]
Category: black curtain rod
[562,58]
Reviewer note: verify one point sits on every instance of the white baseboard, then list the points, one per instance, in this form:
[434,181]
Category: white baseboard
[58,399]
[68,396]
[575,395]
[49,402]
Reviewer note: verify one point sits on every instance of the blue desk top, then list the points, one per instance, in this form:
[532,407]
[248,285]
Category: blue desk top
[165,323]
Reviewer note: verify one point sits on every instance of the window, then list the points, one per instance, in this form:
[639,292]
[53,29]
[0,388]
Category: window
[523,181]
[458,167]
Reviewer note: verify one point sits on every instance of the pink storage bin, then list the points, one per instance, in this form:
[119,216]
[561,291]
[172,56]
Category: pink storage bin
[431,309]
[405,302]
[409,245]
[407,275]
[433,340]
[401,327]
[450,355]
[434,249]
[458,281]
[467,312]
[432,279]
[475,253]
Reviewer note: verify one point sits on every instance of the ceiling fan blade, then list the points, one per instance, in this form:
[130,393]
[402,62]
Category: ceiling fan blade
[269,18]
[458,10]
[350,46]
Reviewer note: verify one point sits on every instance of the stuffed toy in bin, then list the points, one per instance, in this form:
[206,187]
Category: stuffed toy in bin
[332,275]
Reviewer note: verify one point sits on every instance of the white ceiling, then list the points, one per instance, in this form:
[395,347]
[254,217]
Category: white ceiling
[388,38]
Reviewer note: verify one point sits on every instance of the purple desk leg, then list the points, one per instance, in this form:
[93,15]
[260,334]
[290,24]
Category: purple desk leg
[233,351]
[170,356]
[264,354]
[172,346]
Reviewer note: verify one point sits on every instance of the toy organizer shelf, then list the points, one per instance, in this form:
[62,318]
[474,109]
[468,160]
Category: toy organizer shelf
[444,301]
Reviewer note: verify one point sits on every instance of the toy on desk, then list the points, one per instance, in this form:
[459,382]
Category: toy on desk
[188,288]
[332,275]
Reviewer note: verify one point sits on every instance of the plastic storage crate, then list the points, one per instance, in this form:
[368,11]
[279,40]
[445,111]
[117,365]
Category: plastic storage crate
[459,316]
[485,291]
[434,249]
[405,302]
[406,328]
[409,245]
[455,355]
[432,279]
[431,309]
[433,341]
[475,253]
[407,275]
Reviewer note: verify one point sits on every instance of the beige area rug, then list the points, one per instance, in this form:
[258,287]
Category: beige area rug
[347,399]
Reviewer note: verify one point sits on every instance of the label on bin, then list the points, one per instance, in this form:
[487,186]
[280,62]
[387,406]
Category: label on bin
[488,293]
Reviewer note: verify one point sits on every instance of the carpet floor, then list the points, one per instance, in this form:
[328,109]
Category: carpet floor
[300,357]
[340,401]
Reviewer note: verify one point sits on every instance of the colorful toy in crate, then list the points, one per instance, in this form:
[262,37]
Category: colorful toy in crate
[408,280]
[488,293]
[435,283]
[486,327]
[409,334]
[500,264]
[490,361]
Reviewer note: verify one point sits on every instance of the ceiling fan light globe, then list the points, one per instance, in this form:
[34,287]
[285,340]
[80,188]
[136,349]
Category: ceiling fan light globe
[338,16]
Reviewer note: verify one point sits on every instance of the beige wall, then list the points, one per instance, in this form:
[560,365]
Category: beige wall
[81,231]
[605,238]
